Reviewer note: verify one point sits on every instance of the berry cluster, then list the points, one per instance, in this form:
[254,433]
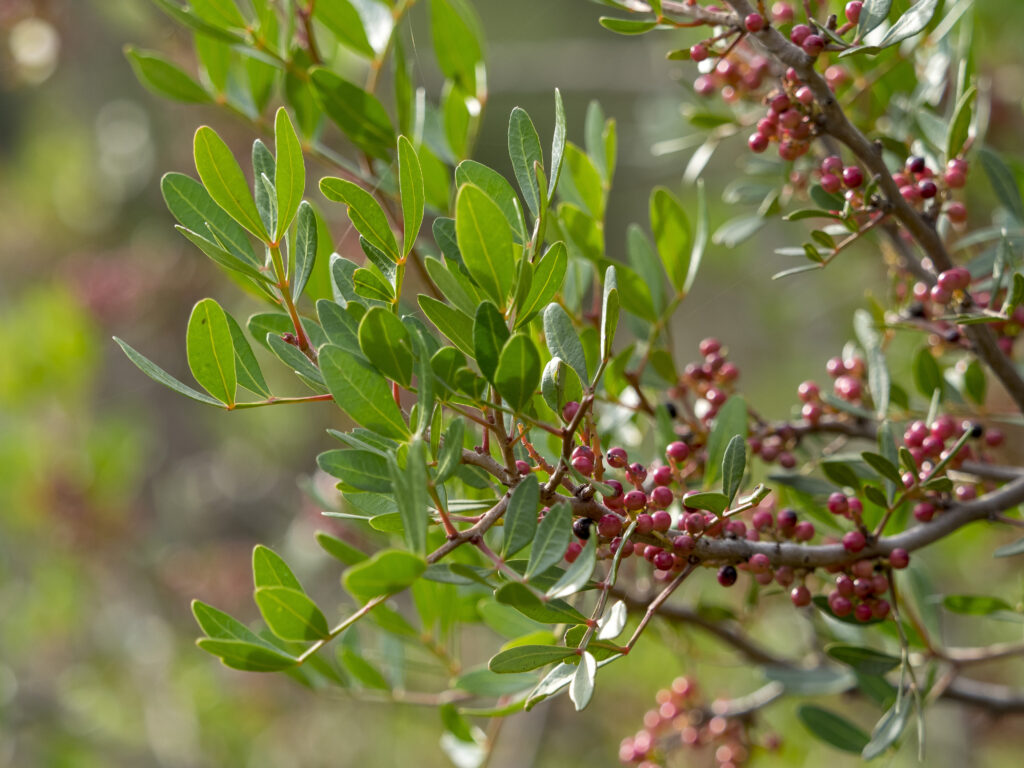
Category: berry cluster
[859,588]
[682,720]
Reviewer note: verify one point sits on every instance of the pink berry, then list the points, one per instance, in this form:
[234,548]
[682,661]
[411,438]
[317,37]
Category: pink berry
[704,86]
[573,551]
[635,500]
[569,411]
[758,142]
[762,520]
[940,295]
[800,33]
[954,179]
[853,177]
[854,541]
[698,52]
[779,103]
[664,560]
[957,212]
[662,519]
[584,465]
[709,346]
[694,523]
[862,612]
[832,164]
[786,519]
[677,451]
[759,562]
[838,504]
[813,45]
[994,438]
[899,559]
[782,12]
[804,531]
[801,596]
[617,457]
[609,526]
[523,468]
[644,522]
[831,183]
[853,10]
[754,22]
[784,575]
[841,606]
[844,585]
[683,544]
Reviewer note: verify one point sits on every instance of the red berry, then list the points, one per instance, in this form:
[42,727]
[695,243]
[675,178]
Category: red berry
[954,179]
[636,473]
[786,519]
[727,575]
[848,388]
[627,548]
[616,488]
[862,612]
[698,52]
[635,500]
[813,45]
[804,531]
[584,465]
[993,438]
[812,412]
[569,411]
[704,86]
[805,95]
[940,295]
[832,164]
[759,563]
[880,609]
[573,551]
[863,569]
[523,468]
[841,606]
[899,559]
[609,526]
[831,183]
[784,575]
[853,10]
[709,346]
[800,33]
[838,504]
[663,475]
[779,103]
[762,519]
[617,457]
[662,519]
[758,142]
[677,451]
[854,541]
[853,177]
[782,12]
[694,523]
[664,560]
[844,585]
[863,587]
[801,596]
[683,543]
[754,22]
[957,212]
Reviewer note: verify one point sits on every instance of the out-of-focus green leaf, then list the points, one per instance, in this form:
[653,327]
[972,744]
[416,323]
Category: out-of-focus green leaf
[359,115]
[291,615]
[164,78]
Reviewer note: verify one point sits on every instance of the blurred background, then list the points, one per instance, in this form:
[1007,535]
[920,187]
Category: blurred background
[120,501]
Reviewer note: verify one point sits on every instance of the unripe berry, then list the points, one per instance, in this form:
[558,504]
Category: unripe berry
[609,526]
[569,411]
[635,500]
[617,457]
[661,497]
[782,12]
[804,531]
[784,575]
[584,465]
[832,164]
[954,179]
[694,523]
[831,183]
[754,22]
[957,212]
[854,541]
[762,519]
[800,33]
[636,473]
[727,575]
[704,86]
[838,504]
[573,551]
[523,468]
[662,520]
[853,10]
[899,559]
[801,596]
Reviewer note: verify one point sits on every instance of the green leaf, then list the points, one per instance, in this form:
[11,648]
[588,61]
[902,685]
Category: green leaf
[816,681]
[583,185]
[883,466]
[361,392]
[525,151]
[553,611]
[730,421]
[190,203]
[225,182]
[362,670]
[290,180]
[975,383]
[410,184]
[161,376]
[878,373]
[523,658]
[910,23]
[450,455]
[365,213]
[211,351]
[291,615]
[223,13]
[873,13]
[1010,550]
[452,285]
[270,570]
[560,384]
[609,313]
[305,247]
[359,115]
[578,573]
[247,368]
[1003,183]
[562,340]
[489,336]
[248,657]
[927,375]
[518,373]
[482,682]
[975,605]
[345,24]
[551,541]
[888,729]
[221,626]
[454,324]
[627,26]
[485,241]
[671,236]
[456,41]
[521,516]
[960,125]
[364,470]
[547,279]
[841,473]
[163,78]
[712,501]
[340,550]
[864,660]
[410,488]
[368,284]
[557,146]
[385,342]
[833,729]
[700,240]
[187,17]
[581,689]
[496,187]
[387,572]
[294,358]
[734,464]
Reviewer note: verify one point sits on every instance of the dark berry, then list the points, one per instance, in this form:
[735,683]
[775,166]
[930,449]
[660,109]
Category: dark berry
[915,164]
[581,527]
[727,575]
